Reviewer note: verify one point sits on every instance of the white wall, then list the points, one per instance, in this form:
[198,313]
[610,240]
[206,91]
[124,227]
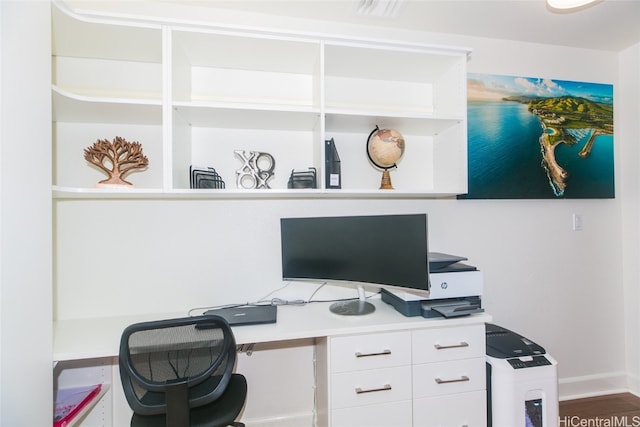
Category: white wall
[567,290]
[560,287]
[629,87]
[25,215]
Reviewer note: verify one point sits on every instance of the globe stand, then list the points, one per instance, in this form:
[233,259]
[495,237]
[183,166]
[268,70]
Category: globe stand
[392,139]
[385,184]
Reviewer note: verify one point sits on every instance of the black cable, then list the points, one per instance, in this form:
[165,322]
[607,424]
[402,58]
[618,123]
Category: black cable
[278,301]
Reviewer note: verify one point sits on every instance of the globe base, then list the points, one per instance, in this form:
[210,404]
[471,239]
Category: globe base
[385,184]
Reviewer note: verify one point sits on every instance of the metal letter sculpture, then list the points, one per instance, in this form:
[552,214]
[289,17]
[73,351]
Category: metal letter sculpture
[252,174]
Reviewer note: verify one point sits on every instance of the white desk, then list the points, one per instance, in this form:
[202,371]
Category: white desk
[379,369]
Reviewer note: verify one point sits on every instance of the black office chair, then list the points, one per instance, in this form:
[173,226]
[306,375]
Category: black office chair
[179,373]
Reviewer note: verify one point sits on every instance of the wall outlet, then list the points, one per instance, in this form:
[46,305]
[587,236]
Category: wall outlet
[578,222]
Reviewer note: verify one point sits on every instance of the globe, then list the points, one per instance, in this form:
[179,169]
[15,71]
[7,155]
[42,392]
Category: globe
[384,148]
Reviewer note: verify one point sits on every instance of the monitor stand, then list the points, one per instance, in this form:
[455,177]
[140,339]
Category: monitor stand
[356,307]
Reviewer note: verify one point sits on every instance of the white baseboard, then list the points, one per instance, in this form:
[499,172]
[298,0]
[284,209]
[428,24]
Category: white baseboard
[634,384]
[595,385]
[292,420]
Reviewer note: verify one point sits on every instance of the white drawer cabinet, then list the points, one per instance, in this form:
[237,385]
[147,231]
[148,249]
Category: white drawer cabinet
[425,376]
[368,379]
[370,351]
[370,387]
[434,379]
[454,410]
[449,343]
[449,376]
[380,415]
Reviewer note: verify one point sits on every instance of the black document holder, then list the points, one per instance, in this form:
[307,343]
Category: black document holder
[205,178]
[302,179]
[333,176]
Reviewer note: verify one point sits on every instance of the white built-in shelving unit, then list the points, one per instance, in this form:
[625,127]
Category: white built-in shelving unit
[192,95]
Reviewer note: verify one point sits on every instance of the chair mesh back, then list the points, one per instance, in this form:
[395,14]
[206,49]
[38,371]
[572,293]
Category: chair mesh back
[156,355]
[176,353]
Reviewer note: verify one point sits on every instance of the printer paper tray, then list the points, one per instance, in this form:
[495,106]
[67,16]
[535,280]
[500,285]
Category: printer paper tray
[456,310]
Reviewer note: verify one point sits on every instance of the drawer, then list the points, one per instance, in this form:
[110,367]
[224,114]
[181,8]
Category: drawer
[370,387]
[396,414]
[435,379]
[371,351]
[461,342]
[464,409]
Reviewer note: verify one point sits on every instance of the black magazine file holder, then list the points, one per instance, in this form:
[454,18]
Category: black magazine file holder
[333,174]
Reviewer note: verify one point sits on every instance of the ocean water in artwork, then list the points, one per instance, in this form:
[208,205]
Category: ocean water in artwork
[523,145]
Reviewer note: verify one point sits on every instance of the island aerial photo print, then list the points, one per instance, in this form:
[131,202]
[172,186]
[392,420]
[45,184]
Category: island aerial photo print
[533,138]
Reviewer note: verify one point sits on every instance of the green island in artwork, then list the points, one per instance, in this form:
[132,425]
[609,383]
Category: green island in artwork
[558,116]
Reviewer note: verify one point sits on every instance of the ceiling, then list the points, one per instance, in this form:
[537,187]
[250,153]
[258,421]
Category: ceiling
[605,25]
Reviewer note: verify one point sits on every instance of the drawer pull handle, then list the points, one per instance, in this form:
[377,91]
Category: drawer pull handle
[444,347]
[463,378]
[382,353]
[385,387]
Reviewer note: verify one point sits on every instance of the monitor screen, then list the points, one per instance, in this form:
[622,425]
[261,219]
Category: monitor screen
[387,250]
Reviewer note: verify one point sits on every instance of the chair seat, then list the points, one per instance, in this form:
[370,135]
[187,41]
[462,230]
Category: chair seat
[220,413]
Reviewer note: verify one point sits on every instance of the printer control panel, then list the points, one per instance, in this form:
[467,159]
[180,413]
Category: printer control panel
[528,362]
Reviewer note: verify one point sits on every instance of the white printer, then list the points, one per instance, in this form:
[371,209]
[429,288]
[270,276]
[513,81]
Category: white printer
[455,290]
[522,381]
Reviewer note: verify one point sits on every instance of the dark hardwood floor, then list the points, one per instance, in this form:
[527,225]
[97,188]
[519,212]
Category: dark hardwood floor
[621,409]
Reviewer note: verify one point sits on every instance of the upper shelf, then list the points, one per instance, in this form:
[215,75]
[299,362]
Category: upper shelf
[77,37]
[411,123]
[247,116]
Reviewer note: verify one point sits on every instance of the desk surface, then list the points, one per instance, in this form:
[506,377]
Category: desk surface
[100,337]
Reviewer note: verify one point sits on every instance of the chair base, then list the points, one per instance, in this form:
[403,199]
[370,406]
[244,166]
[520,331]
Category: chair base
[220,413]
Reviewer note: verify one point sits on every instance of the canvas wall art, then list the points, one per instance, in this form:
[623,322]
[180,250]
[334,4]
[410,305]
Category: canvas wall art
[533,138]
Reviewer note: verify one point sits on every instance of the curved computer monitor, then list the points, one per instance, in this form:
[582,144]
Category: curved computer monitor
[382,250]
